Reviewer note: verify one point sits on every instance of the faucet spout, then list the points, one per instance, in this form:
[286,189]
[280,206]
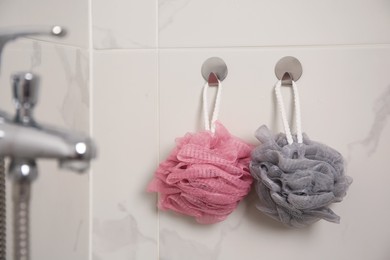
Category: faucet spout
[24,139]
[72,150]
[10,34]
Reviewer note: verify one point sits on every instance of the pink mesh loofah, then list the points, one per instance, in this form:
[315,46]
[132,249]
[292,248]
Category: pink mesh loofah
[205,176]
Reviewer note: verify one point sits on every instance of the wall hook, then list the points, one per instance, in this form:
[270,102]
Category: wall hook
[287,69]
[214,69]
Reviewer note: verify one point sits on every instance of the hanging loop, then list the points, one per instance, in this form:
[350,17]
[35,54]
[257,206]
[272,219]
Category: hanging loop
[210,126]
[214,70]
[297,109]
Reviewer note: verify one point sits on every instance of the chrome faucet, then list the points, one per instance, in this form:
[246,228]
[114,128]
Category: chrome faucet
[24,140]
[22,136]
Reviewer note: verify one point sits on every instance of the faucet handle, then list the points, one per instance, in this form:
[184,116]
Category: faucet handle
[25,95]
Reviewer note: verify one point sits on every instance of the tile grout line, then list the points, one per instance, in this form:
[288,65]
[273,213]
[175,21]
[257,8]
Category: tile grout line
[157,39]
[270,46]
[259,47]
[66,45]
[91,113]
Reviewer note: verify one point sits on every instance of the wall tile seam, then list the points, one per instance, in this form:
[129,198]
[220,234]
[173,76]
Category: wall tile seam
[158,114]
[91,65]
[232,48]
[47,43]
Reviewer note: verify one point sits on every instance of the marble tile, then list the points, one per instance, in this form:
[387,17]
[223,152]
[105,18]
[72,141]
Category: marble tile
[60,199]
[143,99]
[202,23]
[345,99]
[121,24]
[73,15]
[125,120]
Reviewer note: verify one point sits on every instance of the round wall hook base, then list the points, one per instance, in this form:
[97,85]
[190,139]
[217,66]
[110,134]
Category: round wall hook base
[288,68]
[214,65]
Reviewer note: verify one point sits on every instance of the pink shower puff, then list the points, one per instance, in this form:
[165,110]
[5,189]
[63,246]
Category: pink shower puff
[205,176]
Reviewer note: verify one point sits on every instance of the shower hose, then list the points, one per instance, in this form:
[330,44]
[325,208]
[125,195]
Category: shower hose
[21,197]
[3,215]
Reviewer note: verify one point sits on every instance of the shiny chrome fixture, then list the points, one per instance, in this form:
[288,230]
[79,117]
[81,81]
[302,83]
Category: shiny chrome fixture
[24,140]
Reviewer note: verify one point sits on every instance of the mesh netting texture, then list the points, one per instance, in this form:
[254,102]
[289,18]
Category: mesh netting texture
[297,182]
[205,176]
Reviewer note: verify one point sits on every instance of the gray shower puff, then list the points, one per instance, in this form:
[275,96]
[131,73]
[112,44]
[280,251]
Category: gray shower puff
[296,183]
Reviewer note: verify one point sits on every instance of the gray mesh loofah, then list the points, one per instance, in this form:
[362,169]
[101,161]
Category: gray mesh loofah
[296,183]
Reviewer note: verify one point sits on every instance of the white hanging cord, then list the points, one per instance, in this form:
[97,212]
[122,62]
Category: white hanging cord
[279,99]
[297,108]
[205,113]
[214,117]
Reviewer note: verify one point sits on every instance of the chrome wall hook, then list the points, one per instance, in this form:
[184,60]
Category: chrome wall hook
[214,69]
[288,69]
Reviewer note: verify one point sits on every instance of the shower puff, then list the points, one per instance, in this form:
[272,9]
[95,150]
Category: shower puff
[297,182]
[205,176]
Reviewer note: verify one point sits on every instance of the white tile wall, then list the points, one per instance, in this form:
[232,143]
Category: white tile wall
[344,48]
[146,61]
[124,24]
[219,23]
[125,100]
[347,112]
